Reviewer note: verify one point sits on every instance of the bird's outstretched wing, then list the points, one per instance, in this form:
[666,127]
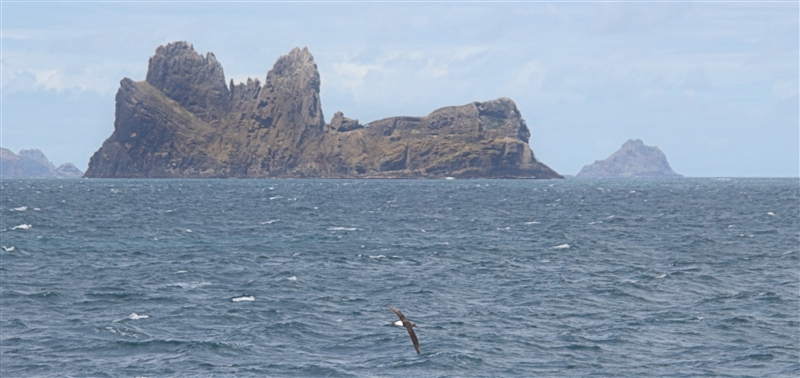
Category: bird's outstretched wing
[409,327]
[396,311]
[413,336]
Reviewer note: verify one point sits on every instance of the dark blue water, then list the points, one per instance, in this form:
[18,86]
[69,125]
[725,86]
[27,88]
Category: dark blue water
[690,277]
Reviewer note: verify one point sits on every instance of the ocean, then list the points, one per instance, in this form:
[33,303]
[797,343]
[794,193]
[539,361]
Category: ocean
[516,278]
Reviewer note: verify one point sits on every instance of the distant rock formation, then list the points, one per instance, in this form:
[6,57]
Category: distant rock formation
[634,159]
[33,164]
[184,121]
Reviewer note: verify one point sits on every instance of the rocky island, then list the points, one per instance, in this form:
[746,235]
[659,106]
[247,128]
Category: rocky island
[184,121]
[634,159]
[33,164]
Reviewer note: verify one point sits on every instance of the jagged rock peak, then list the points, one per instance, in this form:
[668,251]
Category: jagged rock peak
[294,60]
[184,121]
[633,159]
[37,156]
[504,107]
[33,163]
[245,91]
[341,123]
[298,66]
[194,81]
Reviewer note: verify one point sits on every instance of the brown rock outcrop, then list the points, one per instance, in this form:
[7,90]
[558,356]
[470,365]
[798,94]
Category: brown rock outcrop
[183,121]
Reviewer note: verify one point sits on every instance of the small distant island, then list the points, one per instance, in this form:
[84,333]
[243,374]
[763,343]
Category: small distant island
[185,121]
[33,164]
[634,159]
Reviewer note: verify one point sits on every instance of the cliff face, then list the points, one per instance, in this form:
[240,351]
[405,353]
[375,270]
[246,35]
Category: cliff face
[33,164]
[184,121]
[634,159]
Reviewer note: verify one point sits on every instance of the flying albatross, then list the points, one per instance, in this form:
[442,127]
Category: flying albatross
[409,326]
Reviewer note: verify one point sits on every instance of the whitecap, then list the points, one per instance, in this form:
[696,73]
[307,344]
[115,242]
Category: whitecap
[270,221]
[8,249]
[377,257]
[189,285]
[180,271]
[292,278]
[22,227]
[662,275]
[533,222]
[274,198]
[770,213]
[342,228]
[37,209]
[562,246]
[296,254]
[188,230]
[21,208]
[244,298]
[136,316]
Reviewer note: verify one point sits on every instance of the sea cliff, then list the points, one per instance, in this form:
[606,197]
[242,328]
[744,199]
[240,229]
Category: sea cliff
[185,121]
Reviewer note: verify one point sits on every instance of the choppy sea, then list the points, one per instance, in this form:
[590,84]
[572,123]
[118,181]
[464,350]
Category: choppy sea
[683,277]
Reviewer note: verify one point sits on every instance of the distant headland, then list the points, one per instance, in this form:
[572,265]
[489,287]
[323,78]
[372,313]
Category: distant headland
[184,121]
[33,164]
[633,159]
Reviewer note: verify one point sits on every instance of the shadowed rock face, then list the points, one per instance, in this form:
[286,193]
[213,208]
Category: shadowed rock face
[184,121]
[634,159]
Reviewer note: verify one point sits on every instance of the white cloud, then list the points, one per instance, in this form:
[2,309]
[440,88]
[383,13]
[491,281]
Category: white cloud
[100,77]
[351,75]
[48,79]
[367,76]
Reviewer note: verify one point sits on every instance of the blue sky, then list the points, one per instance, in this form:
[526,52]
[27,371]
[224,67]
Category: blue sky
[714,84]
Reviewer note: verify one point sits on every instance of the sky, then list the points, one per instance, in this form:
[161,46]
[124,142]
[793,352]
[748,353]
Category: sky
[713,84]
